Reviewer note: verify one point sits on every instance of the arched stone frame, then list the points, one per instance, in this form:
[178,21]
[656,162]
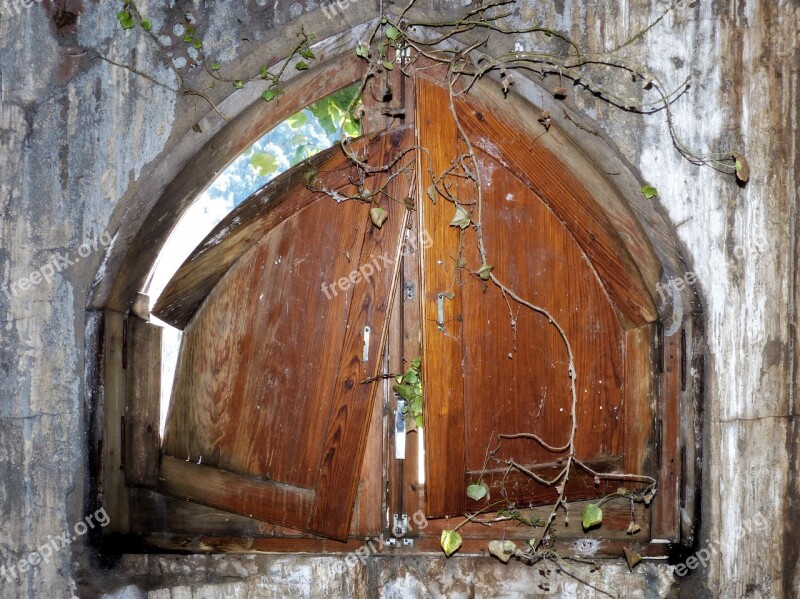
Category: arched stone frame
[159,202]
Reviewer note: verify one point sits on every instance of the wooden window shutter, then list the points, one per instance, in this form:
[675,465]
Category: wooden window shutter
[269,415]
[492,366]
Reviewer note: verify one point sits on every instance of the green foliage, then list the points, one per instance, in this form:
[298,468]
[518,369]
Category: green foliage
[392,32]
[477,491]
[264,163]
[125,19]
[335,112]
[649,192]
[238,84]
[297,120]
[147,25]
[409,387]
[592,516]
[450,542]
[271,94]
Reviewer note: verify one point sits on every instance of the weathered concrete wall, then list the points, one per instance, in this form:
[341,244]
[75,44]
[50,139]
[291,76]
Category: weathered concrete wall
[80,143]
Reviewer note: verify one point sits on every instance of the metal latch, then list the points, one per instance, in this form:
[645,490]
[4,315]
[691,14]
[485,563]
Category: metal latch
[365,355]
[400,527]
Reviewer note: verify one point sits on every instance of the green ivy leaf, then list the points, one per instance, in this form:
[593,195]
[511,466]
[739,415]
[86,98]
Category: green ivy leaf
[450,542]
[307,54]
[404,391]
[268,95]
[649,192]
[592,516]
[264,163]
[502,550]
[215,66]
[198,44]
[301,66]
[362,51]
[238,84]
[126,19]
[742,168]
[264,71]
[188,38]
[378,216]
[388,65]
[190,29]
[147,25]
[485,271]
[297,120]
[461,218]
[392,32]
[350,128]
[476,492]
[416,363]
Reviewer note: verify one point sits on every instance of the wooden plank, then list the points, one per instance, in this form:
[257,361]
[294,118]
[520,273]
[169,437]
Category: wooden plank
[640,392]
[352,402]
[410,348]
[515,356]
[691,416]
[206,485]
[244,226]
[594,549]
[666,504]
[114,495]
[592,168]
[443,387]
[259,359]
[143,403]
[572,203]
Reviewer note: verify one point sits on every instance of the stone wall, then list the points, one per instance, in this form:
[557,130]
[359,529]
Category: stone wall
[83,148]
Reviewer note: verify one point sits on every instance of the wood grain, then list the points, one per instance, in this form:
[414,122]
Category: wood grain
[113,494]
[571,202]
[352,402]
[443,386]
[207,485]
[268,386]
[666,504]
[267,208]
[143,403]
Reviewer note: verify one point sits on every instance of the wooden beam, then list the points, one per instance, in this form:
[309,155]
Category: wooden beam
[143,403]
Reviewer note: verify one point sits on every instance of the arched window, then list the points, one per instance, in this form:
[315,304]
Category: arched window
[283,426]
